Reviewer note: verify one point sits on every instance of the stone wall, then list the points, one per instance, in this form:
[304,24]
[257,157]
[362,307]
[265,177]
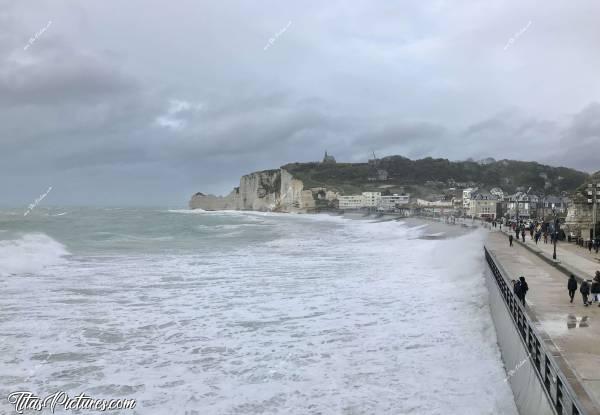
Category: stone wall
[579,217]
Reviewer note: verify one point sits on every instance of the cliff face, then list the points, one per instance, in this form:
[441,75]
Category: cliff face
[269,190]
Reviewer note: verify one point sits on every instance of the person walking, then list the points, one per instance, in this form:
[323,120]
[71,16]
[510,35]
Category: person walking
[596,288]
[523,288]
[523,234]
[585,291]
[517,288]
[510,239]
[572,286]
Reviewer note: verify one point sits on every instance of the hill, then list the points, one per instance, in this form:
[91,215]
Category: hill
[429,176]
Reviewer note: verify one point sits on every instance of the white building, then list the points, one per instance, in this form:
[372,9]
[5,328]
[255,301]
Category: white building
[350,202]
[389,203]
[439,206]
[438,203]
[371,199]
[467,197]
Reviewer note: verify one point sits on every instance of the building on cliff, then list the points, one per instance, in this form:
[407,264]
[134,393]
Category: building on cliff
[328,159]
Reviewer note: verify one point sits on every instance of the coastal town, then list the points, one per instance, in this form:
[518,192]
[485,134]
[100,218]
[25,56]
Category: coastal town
[542,200]
[573,213]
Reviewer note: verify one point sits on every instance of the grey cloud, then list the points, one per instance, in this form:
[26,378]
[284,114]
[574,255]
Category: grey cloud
[80,106]
[410,138]
[580,141]
[509,134]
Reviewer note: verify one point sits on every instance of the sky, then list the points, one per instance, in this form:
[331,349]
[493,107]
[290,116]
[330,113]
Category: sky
[145,102]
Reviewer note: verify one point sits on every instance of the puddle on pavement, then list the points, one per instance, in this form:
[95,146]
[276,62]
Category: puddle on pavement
[577,322]
[556,325]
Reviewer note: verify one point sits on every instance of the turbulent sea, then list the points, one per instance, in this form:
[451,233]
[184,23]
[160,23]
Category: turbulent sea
[246,313]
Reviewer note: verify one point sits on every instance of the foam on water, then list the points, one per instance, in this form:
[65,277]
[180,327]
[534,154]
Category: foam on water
[318,315]
[30,253]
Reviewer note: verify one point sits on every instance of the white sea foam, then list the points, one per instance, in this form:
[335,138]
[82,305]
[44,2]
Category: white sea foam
[29,254]
[317,315]
[187,211]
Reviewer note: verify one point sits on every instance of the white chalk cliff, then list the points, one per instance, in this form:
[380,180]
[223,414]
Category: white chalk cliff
[269,190]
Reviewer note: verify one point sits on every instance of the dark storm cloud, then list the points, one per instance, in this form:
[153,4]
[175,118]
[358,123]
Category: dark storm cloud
[144,109]
[56,78]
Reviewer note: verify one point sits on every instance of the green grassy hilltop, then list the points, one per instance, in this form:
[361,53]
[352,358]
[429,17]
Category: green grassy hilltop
[434,176]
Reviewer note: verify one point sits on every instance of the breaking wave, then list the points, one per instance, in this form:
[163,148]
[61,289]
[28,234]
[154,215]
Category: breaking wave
[29,254]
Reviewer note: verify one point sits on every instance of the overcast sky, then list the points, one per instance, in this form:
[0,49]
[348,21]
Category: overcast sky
[144,102]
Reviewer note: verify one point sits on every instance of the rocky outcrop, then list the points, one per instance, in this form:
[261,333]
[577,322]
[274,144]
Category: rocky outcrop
[212,202]
[269,190]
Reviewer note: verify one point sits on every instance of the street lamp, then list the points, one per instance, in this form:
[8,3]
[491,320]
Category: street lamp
[593,190]
[555,232]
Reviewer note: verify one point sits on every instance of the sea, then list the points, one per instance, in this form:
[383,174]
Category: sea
[194,313]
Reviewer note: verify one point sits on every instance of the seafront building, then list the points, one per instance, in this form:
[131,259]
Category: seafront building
[549,204]
[391,202]
[466,197]
[484,205]
[350,202]
[373,200]
[519,204]
[439,207]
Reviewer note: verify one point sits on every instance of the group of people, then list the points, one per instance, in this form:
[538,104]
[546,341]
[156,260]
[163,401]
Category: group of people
[537,231]
[587,287]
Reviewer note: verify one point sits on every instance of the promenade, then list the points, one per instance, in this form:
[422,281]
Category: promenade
[573,258]
[573,328]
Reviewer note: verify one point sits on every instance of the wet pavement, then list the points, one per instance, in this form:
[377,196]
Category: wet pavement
[574,328]
[581,261]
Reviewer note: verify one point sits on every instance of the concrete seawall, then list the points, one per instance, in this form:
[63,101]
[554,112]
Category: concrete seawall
[530,396]
[542,380]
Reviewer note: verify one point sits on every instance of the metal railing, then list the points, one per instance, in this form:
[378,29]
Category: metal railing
[554,382]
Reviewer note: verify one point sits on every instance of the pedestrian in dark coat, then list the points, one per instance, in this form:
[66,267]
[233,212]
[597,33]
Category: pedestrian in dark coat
[585,291]
[572,286]
[523,288]
[510,239]
[517,288]
[523,235]
[596,288]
